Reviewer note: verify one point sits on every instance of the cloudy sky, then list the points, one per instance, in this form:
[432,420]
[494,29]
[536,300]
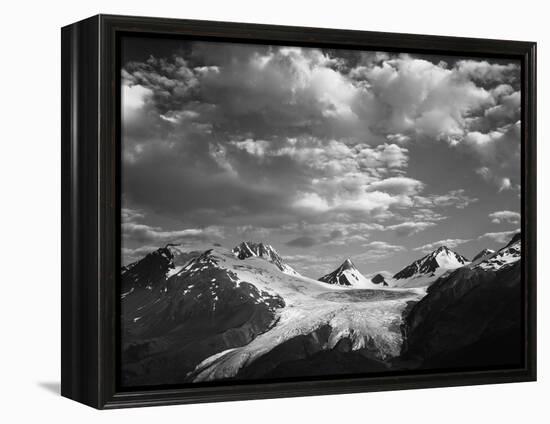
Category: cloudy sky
[325,154]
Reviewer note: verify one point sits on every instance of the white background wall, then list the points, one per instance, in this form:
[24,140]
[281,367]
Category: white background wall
[30,192]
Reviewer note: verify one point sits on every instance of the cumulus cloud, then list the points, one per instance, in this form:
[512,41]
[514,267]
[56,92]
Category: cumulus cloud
[488,73]
[456,198]
[416,92]
[505,217]
[355,200]
[450,243]
[333,157]
[499,237]
[320,147]
[499,154]
[426,214]
[410,228]
[170,82]
[333,135]
[397,185]
[260,94]
[485,101]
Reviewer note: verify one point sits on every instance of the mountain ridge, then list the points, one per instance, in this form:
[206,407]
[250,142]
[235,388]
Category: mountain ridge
[443,329]
[247,249]
[483,254]
[428,268]
[206,313]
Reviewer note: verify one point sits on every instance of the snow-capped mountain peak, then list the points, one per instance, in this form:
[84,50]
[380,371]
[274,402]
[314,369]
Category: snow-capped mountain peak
[347,275]
[504,257]
[348,264]
[156,267]
[249,249]
[430,267]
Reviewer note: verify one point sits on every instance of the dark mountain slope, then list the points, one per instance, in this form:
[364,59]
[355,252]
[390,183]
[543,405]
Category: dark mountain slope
[201,310]
[155,268]
[379,279]
[483,254]
[471,317]
[441,257]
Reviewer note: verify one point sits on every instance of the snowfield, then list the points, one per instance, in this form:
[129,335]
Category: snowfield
[369,318]
[505,257]
[205,313]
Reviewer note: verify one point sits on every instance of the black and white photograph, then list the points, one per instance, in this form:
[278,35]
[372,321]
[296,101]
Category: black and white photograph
[298,212]
[234,212]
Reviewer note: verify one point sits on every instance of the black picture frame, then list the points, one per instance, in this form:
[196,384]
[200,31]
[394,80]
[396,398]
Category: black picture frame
[91,206]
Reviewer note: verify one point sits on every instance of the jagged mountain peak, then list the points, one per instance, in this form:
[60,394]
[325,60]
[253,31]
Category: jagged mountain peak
[515,239]
[348,264]
[504,257]
[347,275]
[482,254]
[444,250]
[157,266]
[248,249]
[431,266]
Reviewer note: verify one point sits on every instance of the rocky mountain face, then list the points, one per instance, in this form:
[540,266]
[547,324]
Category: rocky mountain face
[509,254]
[217,317]
[379,279]
[206,313]
[470,317]
[427,269]
[154,269]
[174,320]
[248,249]
[347,275]
[483,254]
